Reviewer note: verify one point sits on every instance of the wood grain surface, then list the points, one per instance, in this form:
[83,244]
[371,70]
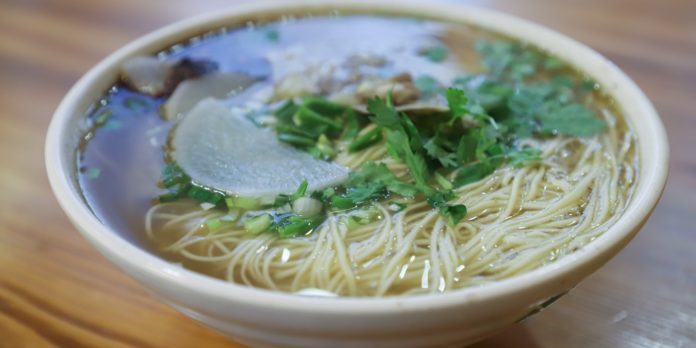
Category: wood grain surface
[56,290]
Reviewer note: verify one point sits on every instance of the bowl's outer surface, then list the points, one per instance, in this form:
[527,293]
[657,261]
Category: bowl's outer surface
[265,318]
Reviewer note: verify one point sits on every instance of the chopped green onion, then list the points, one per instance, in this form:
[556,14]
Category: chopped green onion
[365,216]
[305,115]
[301,190]
[352,125]
[307,207]
[247,203]
[443,182]
[366,140]
[342,202]
[327,193]
[296,139]
[285,112]
[324,106]
[213,224]
[204,194]
[352,223]
[258,224]
[295,225]
[324,146]
[102,117]
[281,200]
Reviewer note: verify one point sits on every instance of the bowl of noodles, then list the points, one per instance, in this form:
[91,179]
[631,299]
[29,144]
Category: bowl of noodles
[348,174]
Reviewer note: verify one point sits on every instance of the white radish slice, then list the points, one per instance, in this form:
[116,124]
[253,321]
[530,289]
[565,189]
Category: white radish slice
[215,85]
[223,150]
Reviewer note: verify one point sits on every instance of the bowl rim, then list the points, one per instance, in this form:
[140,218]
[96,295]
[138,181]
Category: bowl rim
[648,191]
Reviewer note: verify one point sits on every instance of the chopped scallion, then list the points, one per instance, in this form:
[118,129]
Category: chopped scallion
[247,203]
[366,140]
[258,224]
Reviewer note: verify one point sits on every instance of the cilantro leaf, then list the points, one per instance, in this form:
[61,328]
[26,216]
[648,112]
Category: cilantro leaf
[404,143]
[473,172]
[438,200]
[375,180]
[461,105]
[434,54]
[519,158]
[508,59]
[271,34]
[417,167]
[435,150]
[385,115]
[403,139]
[457,102]
[553,63]
[454,213]
[365,192]
[529,99]
[466,148]
[573,119]
[495,56]
[352,125]
[427,85]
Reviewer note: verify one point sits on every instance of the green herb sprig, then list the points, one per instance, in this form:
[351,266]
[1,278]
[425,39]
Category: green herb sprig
[522,94]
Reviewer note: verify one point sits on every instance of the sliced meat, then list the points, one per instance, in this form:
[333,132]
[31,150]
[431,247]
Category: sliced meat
[156,77]
[216,85]
[401,86]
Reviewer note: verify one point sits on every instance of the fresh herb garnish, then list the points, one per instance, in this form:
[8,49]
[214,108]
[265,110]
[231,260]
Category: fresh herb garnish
[135,104]
[510,59]
[180,185]
[366,140]
[427,85]
[375,180]
[526,105]
[435,54]
[488,114]
[570,119]
[314,124]
[404,142]
[292,225]
[271,34]
[102,117]
[92,173]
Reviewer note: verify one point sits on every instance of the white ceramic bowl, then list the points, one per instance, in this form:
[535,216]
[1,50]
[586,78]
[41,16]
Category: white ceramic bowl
[265,318]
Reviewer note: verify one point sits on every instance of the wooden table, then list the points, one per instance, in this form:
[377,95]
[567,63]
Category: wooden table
[56,290]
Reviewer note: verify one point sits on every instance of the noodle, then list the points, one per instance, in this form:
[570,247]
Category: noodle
[519,219]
